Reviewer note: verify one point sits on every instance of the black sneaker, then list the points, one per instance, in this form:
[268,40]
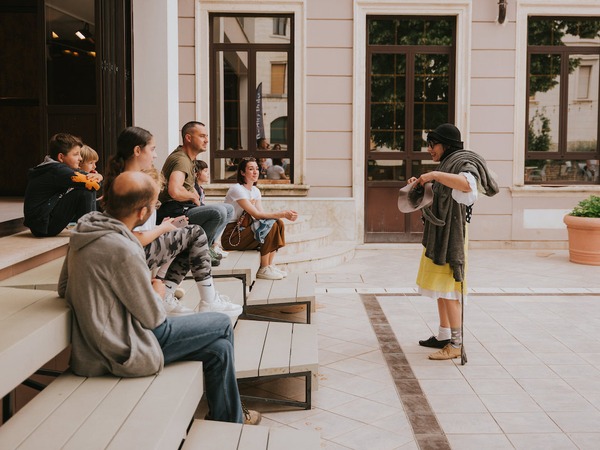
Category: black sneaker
[434,343]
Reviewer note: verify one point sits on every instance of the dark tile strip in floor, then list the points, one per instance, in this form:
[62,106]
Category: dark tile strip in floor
[428,433]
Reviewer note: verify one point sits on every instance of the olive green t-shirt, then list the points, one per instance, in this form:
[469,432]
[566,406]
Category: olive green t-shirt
[178,161]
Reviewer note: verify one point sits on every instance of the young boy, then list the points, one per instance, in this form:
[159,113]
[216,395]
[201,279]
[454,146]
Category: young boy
[203,177]
[58,191]
[89,158]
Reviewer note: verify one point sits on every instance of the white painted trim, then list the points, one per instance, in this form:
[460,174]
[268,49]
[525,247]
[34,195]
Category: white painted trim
[156,72]
[526,9]
[461,9]
[298,8]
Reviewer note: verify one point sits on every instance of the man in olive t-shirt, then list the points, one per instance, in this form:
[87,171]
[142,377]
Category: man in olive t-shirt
[179,196]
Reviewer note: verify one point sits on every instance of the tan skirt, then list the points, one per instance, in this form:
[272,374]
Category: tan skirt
[244,240]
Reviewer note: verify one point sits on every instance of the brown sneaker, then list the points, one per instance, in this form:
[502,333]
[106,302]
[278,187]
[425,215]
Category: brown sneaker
[448,352]
[251,417]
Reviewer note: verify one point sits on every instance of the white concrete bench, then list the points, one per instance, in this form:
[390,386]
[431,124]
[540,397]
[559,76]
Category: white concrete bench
[271,350]
[35,326]
[207,435]
[239,264]
[295,290]
[109,412]
[22,251]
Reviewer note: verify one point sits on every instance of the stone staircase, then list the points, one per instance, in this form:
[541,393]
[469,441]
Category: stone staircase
[311,248]
[307,248]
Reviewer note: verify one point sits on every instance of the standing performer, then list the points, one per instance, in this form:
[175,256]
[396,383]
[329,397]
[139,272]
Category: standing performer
[456,182]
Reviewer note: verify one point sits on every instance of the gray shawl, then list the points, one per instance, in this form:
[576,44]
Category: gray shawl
[444,233]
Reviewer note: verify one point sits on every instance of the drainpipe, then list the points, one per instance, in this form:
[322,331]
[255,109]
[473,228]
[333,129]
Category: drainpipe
[502,11]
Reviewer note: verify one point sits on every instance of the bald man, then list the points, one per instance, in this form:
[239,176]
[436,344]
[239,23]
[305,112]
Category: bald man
[119,322]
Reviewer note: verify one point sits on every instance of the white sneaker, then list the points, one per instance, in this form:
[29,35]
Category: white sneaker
[267,273]
[219,251]
[283,273]
[174,308]
[179,293]
[222,304]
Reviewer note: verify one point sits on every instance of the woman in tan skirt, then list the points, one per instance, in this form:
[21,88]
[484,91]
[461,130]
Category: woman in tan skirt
[266,231]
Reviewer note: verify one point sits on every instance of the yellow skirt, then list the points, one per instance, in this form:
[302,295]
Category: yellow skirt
[438,281]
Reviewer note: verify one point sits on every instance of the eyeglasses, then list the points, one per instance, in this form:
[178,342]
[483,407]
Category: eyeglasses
[432,144]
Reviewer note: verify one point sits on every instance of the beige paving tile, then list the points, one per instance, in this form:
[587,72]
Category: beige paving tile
[548,441]
[369,437]
[474,423]
[525,422]
[480,441]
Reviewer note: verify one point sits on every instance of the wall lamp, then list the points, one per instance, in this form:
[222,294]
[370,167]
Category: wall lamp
[502,11]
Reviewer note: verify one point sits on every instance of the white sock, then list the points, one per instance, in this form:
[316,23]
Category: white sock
[207,290]
[444,334]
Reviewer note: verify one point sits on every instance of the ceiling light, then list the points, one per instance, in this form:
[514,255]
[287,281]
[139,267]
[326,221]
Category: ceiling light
[84,33]
[54,35]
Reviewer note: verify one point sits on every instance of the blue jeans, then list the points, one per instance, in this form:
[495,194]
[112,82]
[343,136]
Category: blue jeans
[212,218]
[206,337]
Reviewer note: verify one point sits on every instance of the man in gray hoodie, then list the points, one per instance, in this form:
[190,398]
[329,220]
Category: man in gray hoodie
[119,323]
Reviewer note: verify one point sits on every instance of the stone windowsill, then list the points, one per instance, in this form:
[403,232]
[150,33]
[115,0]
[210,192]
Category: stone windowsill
[267,189]
[554,190]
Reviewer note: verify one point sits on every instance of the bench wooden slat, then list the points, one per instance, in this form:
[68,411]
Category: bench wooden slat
[14,300]
[249,348]
[254,438]
[284,290]
[107,418]
[161,418]
[56,430]
[209,435]
[32,415]
[31,336]
[212,435]
[44,274]
[261,290]
[304,349]
[306,289]
[109,412]
[276,353]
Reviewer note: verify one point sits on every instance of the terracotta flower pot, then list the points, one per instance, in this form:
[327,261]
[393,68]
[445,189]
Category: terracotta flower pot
[584,239]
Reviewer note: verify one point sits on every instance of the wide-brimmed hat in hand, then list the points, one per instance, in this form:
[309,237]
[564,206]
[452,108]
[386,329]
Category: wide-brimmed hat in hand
[414,196]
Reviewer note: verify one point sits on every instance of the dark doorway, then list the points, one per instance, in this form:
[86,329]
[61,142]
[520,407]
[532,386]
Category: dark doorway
[66,67]
[410,90]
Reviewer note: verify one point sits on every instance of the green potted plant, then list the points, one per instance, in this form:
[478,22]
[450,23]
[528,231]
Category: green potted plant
[583,226]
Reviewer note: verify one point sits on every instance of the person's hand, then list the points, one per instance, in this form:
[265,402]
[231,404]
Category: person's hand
[95,176]
[167,225]
[427,177]
[159,287]
[411,180]
[290,215]
[195,198]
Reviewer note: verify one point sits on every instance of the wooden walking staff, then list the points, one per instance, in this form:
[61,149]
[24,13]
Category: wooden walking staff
[463,353]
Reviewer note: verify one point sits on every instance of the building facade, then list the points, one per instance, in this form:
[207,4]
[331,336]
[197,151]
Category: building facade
[346,90]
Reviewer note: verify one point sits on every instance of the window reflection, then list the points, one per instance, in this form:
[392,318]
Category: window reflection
[71,56]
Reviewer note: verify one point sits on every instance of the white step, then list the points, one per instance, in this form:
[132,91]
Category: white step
[300,225]
[336,253]
[306,241]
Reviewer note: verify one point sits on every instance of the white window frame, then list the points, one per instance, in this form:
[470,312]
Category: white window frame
[203,9]
[566,8]
[364,8]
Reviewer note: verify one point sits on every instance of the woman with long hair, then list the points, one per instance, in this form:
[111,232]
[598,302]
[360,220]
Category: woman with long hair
[174,246]
[267,230]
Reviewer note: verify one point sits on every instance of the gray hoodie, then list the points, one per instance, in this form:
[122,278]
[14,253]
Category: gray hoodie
[106,282]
